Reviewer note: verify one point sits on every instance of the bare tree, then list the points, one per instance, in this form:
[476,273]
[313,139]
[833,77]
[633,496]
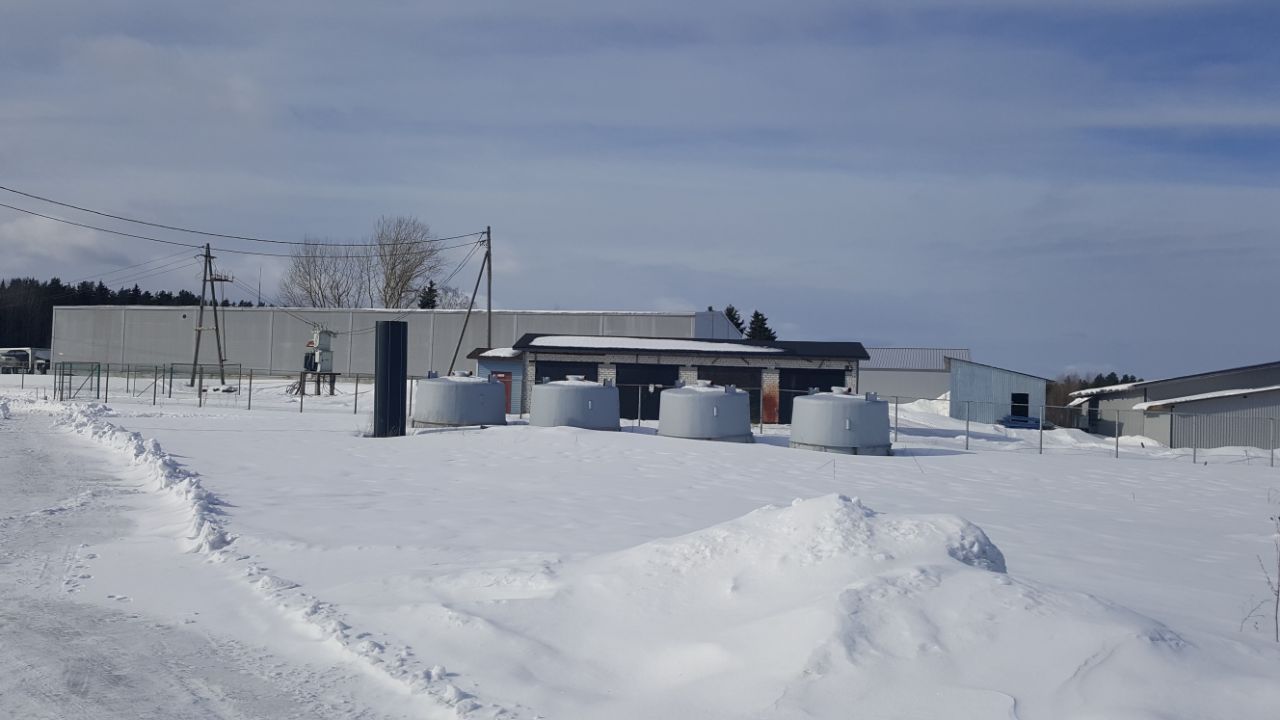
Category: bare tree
[403,257]
[324,276]
[451,298]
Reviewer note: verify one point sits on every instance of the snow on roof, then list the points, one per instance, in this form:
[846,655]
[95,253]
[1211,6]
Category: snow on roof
[889,358]
[1090,392]
[505,352]
[1078,401]
[1205,396]
[630,343]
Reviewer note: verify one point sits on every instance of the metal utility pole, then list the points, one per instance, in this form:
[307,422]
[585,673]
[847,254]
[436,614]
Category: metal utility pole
[488,261]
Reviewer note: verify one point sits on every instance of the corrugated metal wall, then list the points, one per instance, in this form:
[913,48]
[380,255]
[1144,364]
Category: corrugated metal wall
[908,384]
[1226,422]
[988,391]
[275,339]
[1119,408]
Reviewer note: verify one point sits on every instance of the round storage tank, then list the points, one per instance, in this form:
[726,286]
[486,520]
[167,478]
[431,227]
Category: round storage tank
[705,412]
[459,399]
[841,422]
[575,402]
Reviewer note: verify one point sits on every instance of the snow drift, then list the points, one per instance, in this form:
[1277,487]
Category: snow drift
[823,607]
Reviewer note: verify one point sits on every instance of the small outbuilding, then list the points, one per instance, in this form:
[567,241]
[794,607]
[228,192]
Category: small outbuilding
[986,393]
[772,373]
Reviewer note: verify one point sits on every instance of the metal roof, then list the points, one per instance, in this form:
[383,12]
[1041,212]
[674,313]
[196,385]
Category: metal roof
[997,367]
[695,346]
[1196,376]
[906,358]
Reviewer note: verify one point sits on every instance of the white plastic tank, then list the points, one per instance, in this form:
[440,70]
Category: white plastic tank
[459,399]
[841,422]
[705,412]
[575,402]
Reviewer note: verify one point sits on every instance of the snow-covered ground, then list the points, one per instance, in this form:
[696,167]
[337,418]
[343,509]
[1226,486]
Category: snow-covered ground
[527,572]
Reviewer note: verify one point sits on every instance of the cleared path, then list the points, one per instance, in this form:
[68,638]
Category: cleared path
[61,657]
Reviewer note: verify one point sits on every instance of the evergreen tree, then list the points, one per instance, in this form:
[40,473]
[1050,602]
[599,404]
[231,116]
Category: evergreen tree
[429,296]
[759,328]
[731,312]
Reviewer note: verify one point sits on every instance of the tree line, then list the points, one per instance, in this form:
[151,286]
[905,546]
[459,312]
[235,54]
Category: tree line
[26,305]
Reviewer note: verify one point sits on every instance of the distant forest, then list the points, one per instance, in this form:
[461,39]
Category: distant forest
[26,305]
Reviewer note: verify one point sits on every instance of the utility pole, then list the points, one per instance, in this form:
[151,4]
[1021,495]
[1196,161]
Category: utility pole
[488,260]
[207,279]
[204,280]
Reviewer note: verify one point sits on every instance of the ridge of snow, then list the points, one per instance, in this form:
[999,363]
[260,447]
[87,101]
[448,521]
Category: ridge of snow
[1090,392]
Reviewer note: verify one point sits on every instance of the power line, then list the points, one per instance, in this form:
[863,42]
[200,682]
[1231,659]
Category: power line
[201,247]
[206,233]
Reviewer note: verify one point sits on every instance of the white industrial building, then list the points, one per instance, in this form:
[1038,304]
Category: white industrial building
[1233,407]
[908,373]
[275,339]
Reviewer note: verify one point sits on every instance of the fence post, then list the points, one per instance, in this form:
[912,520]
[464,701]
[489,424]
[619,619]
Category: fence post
[355,403]
[1271,435]
[639,402]
[966,424]
[762,408]
[170,388]
[155,384]
[250,389]
[1117,434]
[106,388]
[302,391]
[408,409]
[200,390]
[1195,439]
[896,403]
[22,382]
[1042,429]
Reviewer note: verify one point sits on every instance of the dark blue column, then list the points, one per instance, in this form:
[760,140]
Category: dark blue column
[391,370]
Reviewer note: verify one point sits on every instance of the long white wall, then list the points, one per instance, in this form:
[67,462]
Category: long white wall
[275,339]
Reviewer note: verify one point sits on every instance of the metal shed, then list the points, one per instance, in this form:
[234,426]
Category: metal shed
[986,393]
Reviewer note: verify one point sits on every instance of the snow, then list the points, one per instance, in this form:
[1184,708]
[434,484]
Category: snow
[553,572]
[1205,396]
[1090,392]
[505,352]
[670,345]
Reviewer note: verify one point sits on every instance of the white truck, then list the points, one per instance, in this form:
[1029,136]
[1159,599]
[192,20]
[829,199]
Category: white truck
[24,360]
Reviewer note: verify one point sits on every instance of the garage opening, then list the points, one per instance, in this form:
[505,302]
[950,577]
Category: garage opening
[635,398]
[744,378]
[559,370]
[793,382]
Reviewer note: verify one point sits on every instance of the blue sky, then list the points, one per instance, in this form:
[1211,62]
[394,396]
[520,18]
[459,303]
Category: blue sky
[1057,185]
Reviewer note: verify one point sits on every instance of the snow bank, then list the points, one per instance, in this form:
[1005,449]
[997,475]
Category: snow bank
[207,535]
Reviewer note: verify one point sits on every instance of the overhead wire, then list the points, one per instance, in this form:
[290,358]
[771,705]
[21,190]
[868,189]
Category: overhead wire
[206,233]
[219,249]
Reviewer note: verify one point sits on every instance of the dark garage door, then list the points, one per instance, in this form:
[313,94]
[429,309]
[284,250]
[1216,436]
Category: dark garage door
[633,388]
[555,370]
[797,381]
[742,377]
